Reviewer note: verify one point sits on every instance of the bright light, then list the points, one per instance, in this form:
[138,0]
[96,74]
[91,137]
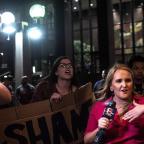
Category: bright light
[91,4]
[1,53]
[5,76]
[75,8]
[9,29]
[7,18]
[34,69]
[34,33]
[37,11]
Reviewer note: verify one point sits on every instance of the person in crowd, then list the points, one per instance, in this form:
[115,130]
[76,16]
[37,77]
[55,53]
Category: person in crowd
[5,95]
[60,82]
[99,84]
[127,126]
[8,82]
[136,63]
[24,91]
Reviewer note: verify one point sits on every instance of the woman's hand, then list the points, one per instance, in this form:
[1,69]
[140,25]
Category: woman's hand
[103,123]
[56,97]
[134,113]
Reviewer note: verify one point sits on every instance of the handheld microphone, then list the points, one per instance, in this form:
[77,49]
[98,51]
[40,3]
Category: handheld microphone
[109,113]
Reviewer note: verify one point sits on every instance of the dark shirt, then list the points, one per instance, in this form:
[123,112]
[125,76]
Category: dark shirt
[43,91]
[139,88]
[24,93]
[98,85]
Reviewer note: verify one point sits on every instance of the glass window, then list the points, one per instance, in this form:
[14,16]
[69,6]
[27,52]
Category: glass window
[138,34]
[138,10]
[127,35]
[86,39]
[117,37]
[133,33]
[95,39]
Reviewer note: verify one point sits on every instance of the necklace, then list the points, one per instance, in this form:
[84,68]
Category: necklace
[122,110]
[122,106]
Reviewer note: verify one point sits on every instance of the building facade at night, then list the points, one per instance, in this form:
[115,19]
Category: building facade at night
[94,33]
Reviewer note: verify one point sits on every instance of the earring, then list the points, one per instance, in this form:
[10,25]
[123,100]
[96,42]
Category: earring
[111,89]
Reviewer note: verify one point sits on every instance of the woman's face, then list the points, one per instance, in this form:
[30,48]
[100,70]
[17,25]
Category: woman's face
[65,69]
[122,84]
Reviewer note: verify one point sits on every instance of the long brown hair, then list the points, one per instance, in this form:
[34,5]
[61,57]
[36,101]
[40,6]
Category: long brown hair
[104,92]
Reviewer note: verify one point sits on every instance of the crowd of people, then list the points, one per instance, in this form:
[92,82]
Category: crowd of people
[122,83]
[60,82]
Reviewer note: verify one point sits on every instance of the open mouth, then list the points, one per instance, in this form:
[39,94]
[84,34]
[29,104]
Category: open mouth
[124,91]
[68,72]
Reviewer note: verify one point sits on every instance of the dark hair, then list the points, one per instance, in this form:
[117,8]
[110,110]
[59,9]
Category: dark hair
[52,78]
[135,58]
[46,86]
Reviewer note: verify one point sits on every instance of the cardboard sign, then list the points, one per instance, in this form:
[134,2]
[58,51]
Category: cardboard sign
[47,123]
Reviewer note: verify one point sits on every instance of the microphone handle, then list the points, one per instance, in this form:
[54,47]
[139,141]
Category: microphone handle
[100,136]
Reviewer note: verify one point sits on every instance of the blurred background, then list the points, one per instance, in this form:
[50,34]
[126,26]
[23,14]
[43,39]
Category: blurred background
[94,33]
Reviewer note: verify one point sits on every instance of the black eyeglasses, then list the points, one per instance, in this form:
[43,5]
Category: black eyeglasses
[63,65]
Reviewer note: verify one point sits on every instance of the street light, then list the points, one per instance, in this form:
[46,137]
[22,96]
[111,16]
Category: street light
[8,26]
[37,11]
[34,33]
[8,29]
[8,20]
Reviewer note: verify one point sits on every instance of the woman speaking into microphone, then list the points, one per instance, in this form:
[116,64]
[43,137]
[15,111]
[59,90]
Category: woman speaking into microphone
[127,125]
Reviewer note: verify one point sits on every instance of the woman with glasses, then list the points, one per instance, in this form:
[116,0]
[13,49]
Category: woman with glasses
[60,82]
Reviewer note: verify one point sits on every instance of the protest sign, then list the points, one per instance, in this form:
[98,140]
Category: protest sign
[47,123]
